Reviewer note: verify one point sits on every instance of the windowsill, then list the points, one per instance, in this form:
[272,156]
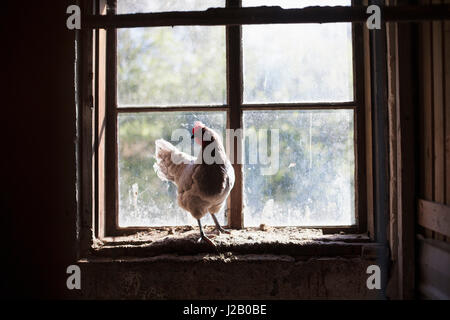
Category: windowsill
[286,241]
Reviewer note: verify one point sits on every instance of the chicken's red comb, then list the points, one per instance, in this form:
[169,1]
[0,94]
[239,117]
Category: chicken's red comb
[197,124]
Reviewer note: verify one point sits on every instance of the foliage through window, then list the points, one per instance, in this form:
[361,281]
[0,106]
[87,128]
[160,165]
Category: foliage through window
[297,78]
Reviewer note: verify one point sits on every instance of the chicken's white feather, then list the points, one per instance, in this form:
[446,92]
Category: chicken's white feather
[202,188]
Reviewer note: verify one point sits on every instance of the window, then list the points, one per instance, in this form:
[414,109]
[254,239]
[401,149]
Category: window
[301,79]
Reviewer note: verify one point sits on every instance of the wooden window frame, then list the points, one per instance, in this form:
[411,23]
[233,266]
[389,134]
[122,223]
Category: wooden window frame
[100,74]
[106,46]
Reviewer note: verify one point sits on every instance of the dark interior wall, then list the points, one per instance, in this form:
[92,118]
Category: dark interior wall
[38,197]
[38,200]
[433,259]
[434,133]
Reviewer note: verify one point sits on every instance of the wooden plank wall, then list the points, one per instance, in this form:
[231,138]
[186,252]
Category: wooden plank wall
[434,118]
[434,266]
[434,157]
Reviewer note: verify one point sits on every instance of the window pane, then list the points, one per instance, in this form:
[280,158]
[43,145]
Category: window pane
[298,63]
[313,183]
[289,4]
[139,6]
[145,200]
[171,66]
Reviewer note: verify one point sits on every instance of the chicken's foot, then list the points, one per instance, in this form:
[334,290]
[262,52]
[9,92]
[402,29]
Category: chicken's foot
[203,237]
[218,226]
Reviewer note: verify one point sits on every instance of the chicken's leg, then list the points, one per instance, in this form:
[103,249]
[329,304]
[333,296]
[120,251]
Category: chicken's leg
[203,237]
[218,226]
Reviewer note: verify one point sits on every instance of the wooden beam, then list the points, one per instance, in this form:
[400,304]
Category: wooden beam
[265,15]
[439,115]
[111,163]
[434,216]
[137,109]
[446,54]
[268,106]
[369,135]
[426,113]
[380,147]
[300,106]
[406,110]
[86,121]
[100,124]
[235,91]
[359,137]
[392,59]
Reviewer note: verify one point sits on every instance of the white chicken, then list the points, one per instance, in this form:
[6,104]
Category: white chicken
[203,183]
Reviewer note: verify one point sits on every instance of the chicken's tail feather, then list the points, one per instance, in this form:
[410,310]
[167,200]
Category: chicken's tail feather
[168,160]
[163,154]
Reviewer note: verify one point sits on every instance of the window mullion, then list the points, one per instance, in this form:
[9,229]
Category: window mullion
[111,172]
[234,87]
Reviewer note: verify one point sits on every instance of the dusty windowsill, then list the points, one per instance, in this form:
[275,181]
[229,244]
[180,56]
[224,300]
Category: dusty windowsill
[182,241]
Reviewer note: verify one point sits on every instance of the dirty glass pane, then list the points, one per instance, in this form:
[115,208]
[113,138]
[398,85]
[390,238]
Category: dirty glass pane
[297,62]
[140,6]
[145,200]
[311,176]
[168,66]
[289,4]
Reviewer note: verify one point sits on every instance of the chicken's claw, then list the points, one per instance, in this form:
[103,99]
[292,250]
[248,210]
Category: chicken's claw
[207,240]
[218,226]
[220,230]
